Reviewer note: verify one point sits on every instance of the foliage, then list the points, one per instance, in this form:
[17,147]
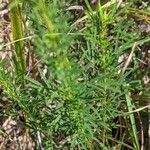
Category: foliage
[76,103]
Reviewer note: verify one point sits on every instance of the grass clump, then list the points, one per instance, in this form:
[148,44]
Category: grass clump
[80,101]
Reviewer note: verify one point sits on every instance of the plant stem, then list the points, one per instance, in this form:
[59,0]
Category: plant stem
[103,44]
[103,34]
[49,24]
[19,57]
[88,6]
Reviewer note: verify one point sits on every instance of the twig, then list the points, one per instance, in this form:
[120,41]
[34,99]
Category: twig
[39,140]
[129,58]
[139,109]
[75,7]
[33,67]
[13,42]
[142,131]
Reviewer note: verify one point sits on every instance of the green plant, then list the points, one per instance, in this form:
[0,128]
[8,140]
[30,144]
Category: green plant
[76,103]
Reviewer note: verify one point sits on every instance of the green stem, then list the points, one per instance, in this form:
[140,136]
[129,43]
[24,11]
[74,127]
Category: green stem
[88,6]
[49,24]
[103,34]
[19,57]
[103,44]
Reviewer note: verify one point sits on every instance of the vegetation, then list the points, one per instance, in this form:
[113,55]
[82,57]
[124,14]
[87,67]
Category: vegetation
[76,77]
